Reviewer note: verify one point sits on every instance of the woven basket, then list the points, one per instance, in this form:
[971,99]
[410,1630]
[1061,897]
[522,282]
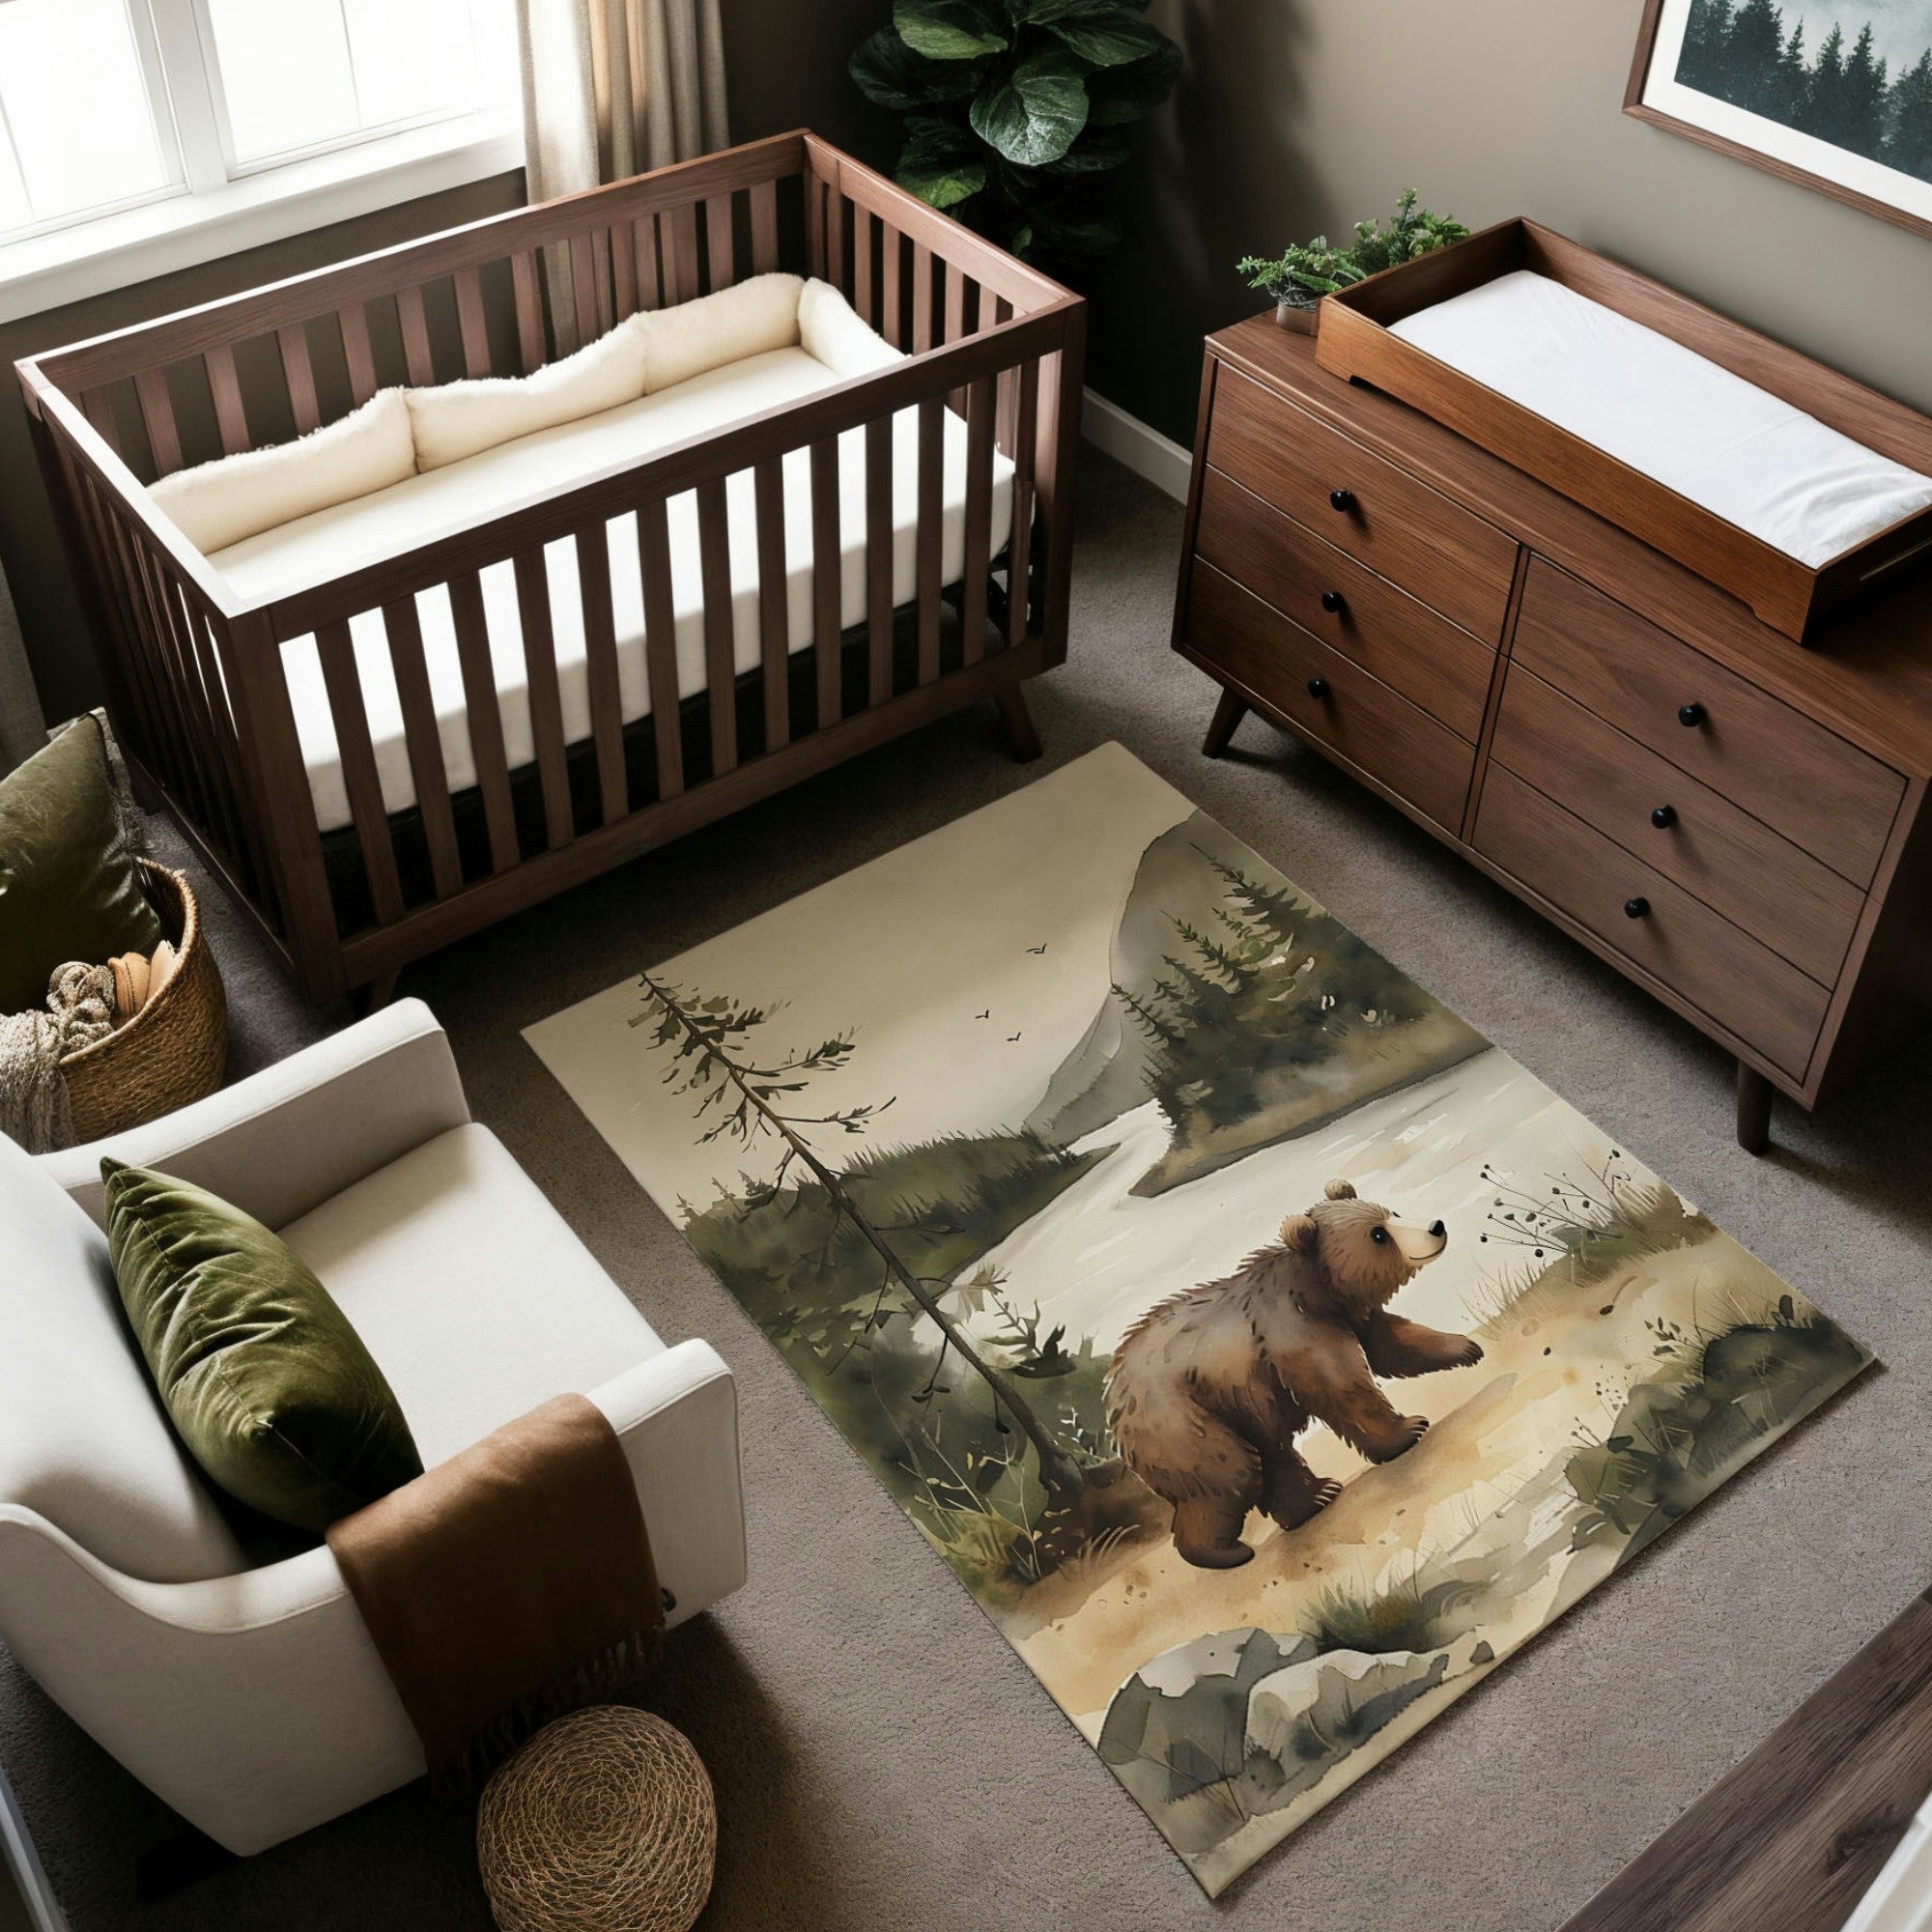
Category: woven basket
[604,1822]
[175,1049]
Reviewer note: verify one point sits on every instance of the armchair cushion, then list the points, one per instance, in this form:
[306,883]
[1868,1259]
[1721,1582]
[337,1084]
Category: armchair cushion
[470,1289]
[271,1387]
[83,1442]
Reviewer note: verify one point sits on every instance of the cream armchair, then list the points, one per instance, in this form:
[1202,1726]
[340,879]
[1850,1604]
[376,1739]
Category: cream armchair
[250,1699]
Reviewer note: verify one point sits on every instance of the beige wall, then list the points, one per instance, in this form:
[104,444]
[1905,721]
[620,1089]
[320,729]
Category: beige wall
[50,621]
[1295,116]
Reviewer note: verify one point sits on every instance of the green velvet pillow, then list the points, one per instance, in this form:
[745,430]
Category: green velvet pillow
[69,887]
[269,1385]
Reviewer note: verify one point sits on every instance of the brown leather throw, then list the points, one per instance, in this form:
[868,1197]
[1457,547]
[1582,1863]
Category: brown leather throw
[508,1585]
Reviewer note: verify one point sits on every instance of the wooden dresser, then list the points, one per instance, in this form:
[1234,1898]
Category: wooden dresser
[1736,822]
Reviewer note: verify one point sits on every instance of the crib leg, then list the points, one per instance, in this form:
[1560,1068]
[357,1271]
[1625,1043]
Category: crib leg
[380,991]
[1017,722]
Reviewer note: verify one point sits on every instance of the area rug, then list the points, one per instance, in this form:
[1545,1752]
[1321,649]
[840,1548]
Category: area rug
[1268,1355]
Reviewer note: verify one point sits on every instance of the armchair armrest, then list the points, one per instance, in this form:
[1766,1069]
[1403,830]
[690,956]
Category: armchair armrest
[286,1139]
[256,1704]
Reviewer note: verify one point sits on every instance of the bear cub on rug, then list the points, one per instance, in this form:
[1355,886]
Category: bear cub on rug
[1208,1389]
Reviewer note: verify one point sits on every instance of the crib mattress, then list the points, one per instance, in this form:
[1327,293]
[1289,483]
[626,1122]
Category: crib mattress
[394,522]
[1727,445]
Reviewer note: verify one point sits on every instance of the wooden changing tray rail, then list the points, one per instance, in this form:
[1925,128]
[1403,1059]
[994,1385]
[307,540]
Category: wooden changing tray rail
[1354,342]
[198,687]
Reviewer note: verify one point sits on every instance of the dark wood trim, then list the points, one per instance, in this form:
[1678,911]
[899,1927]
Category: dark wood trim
[1771,164]
[1794,1836]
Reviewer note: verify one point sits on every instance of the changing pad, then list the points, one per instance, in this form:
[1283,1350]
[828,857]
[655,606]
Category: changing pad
[1662,409]
[397,519]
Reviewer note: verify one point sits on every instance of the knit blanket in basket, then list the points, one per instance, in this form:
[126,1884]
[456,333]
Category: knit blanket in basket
[33,1107]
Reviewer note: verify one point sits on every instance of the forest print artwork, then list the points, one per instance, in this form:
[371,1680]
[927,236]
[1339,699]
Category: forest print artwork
[1268,1354]
[1841,89]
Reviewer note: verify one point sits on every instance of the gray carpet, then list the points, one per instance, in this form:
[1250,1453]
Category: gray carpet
[883,1759]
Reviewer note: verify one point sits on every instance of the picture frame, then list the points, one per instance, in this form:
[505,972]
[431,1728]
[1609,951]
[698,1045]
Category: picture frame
[1741,76]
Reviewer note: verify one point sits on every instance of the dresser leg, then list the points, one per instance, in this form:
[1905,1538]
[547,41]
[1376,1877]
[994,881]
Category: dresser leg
[1754,1093]
[1228,714]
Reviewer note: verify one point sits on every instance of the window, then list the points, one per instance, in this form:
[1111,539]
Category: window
[127,120]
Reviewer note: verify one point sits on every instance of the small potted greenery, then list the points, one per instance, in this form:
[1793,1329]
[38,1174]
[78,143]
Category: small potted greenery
[1303,273]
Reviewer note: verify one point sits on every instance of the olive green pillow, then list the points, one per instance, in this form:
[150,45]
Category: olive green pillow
[269,1385]
[69,887]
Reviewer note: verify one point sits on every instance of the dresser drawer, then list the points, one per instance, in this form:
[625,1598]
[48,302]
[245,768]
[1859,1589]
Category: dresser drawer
[1803,781]
[1412,534]
[1791,903]
[1348,712]
[1719,969]
[1417,651]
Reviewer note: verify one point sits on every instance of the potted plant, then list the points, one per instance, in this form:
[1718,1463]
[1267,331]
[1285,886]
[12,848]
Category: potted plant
[1297,278]
[1017,112]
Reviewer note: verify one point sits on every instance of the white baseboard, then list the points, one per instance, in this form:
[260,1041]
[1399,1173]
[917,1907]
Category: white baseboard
[1139,445]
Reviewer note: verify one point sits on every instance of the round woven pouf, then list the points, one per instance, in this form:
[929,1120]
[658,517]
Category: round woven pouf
[604,1822]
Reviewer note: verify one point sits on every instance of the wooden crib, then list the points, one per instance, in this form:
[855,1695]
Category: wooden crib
[197,684]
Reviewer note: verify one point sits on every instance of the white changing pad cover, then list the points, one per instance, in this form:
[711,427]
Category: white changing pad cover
[397,519]
[1678,417]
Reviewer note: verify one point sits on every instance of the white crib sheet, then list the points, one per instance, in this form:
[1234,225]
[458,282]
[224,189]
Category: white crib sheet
[1664,409]
[395,520]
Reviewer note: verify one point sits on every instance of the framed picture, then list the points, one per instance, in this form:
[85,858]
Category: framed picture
[1834,93]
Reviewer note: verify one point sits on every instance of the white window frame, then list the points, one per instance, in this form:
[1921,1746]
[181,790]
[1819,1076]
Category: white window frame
[213,206]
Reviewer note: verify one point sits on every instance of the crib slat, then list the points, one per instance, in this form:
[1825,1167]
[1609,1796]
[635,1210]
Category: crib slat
[1019,549]
[414,327]
[879,558]
[157,413]
[223,715]
[600,655]
[931,449]
[720,253]
[469,323]
[403,626]
[825,573]
[764,227]
[815,225]
[891,275]
[774,601]
[224,388]
[299,374]
[660,644]
[110,577]
[182,685]
[357,353]
[834,239]
[530,310]
[533,573]
[862,262]
[956,325]
[215,787]
[359,767]
[980,404]
[97,406]
[922,298]
[624,271]
[714,564]
[140,628]
[584,286]
[679,228]
[486,720]
[644,236]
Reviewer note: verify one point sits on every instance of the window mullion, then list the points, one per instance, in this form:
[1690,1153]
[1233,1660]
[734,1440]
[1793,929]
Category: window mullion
[193,94]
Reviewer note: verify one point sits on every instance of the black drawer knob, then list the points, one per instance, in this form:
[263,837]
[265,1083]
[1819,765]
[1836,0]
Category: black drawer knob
[1332,600]
[1636,908]
[1664,817]
[1691,715]
[1318,687]
[1342,499]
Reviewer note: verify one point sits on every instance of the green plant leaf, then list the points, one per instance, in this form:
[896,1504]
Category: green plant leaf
[940,161]
[1035,114]
[887,72]
[1097,150]
[1121,95]
[949,30]
[1110,40]
[1099,235]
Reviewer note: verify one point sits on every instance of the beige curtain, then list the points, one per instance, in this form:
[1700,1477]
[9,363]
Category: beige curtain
[22,729]
[615,87]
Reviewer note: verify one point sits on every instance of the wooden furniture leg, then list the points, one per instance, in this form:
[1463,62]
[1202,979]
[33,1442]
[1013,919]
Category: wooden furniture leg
[1016,720]
[1228,714]
[380,991]
[1754,1093]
